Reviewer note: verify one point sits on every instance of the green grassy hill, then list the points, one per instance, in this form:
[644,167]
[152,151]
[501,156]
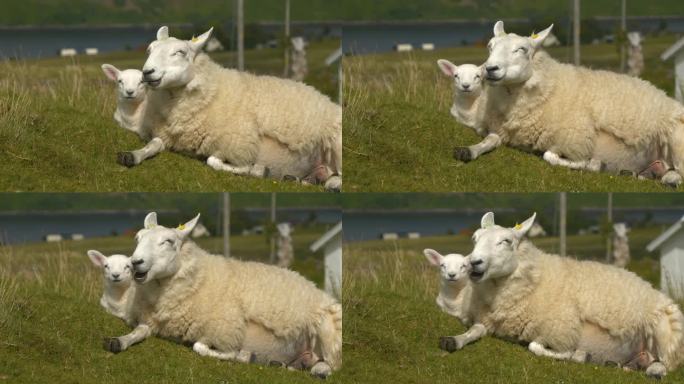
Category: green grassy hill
[392,324]
[399,135]
[57,132]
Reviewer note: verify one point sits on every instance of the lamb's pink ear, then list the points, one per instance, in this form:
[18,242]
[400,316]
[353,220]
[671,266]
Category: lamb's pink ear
[434,257]
[111,72]
[499,29]
[522,229]
[447,67]
[200,41]
[537,39]
[97,258]
[184,230]
[163,33]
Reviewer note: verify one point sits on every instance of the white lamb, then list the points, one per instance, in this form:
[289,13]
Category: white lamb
[130,110]
[235,310]
[579,118]
[238,121]
[118,279]
[569,309]
[454,293]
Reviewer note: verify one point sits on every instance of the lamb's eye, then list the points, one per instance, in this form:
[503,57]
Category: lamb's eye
[106,266]
[477,77]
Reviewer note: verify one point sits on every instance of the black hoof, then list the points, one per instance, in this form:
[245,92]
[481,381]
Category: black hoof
[463,154]
[626,172]
[447,343]
[126,159]
[274,363]
[112,344]
[290,178]
[252,358]
[333,190]
[267,172]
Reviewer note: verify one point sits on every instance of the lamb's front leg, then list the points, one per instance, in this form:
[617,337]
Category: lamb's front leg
[454,343]
[133,158]
[255,170]
[239,356]
[553,158]
[121,343]
[488,144]
[539,350]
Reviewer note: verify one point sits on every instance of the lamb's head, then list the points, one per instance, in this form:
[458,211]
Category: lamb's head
[170,61]
[452,267]
[467,77]
[117,268]
[156,255]
[129,82]
[510,55]
[494,253]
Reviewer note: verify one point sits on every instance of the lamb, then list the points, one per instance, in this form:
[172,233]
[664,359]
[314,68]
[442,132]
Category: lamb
[242,311]
[237,120]
[130,109]
[579,118]
[455,289]
[562,307]
[468,104]
[118,279]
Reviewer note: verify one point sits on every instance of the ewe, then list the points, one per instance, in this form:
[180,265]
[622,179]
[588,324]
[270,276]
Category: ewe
[239,122]
[579,118]
[235,310]
[569,309]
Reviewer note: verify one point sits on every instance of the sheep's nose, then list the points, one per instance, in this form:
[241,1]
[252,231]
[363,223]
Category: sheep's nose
[115,275]
[147,72]
[129,93]
[465,86]
[492,68]
[452,275]
[476,262]
[137,262]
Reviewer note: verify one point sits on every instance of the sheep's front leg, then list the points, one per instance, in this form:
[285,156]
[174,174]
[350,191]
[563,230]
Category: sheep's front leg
[488,144]
[121,343]
[454,343]
[593,165]
[255,170]
[133,158]
[239,356]
[539,350]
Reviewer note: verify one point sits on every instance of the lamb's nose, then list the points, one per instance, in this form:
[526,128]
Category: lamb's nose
[465,86]
[115,275]
[475,262]
[147,72]
[452,275]
[129,93]
[137,262]
[492,68]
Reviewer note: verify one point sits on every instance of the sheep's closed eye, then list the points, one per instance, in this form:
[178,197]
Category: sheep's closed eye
[505,242]
[167,242]
[521,49]
[179,52]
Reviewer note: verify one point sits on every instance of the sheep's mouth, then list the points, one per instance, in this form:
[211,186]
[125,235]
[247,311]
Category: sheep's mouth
[476,275]
[154,83]
[140,276]
[494,79]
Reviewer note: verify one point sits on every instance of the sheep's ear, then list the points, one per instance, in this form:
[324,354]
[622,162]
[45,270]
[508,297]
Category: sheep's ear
[200,41]
[522,229]
[111,72]
[537,39]
[97,258]
[151,220]
[499,29]
[163,33]
[434,257]
[487,220]
[186,229]
[447,67]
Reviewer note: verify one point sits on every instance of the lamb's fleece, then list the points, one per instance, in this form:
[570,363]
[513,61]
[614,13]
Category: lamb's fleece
[568,109]
[212,300]
[549,298]
[225,113]
[455,300]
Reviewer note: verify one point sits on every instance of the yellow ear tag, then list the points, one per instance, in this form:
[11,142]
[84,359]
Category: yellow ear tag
[181,227]
[517,226]
[534,35]
[194,39]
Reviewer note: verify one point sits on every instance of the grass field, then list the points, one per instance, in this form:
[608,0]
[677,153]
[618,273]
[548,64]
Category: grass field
[399,135]
[51,324]
[392,324]
[57,132]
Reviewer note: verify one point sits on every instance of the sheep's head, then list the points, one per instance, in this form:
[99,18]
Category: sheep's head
[117,268]
[169,60]
[467,77]
[510,55]
[493,255]
[156,255]
[129,82]
[452,267]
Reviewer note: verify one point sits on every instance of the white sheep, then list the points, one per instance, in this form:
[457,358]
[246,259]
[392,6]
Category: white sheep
[454,290]
[240,311]
[130,110]
[569,309]
[239,121]
[579,118]
[118,279]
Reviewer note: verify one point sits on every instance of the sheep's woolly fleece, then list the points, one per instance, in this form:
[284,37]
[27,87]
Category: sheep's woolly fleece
[225,113]
[213,300]
[549,298]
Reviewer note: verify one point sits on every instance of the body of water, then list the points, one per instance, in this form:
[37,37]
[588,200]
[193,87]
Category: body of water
[19,228]
[383,37]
